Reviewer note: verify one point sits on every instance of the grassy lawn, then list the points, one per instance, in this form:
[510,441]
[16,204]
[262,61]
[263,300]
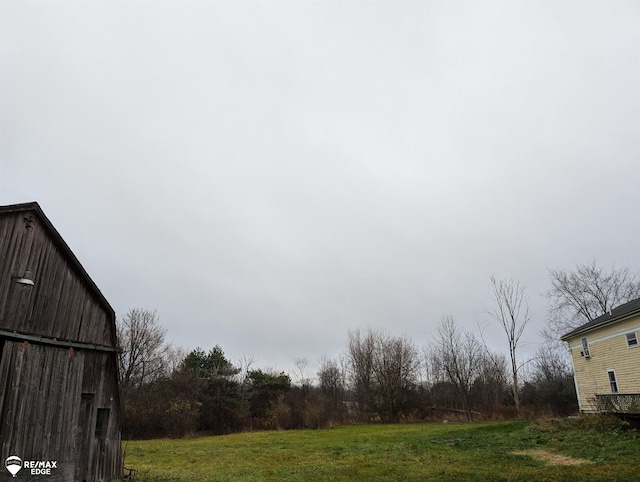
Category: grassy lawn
[515,451]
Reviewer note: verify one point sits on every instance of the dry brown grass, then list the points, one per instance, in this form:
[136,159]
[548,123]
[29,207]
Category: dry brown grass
[551,458]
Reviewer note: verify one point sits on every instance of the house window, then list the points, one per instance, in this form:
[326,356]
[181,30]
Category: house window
[585,349]
[632,339]
[102,423]
[612,381]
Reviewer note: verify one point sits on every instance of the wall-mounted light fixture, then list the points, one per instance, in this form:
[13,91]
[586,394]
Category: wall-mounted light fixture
[25,279]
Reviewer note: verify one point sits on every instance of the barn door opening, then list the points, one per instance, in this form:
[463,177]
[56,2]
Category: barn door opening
[86,423]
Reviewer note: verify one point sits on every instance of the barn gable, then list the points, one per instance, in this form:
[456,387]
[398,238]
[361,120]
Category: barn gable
[59,398]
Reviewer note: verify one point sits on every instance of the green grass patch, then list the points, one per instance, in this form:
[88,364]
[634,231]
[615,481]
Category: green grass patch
[438,452]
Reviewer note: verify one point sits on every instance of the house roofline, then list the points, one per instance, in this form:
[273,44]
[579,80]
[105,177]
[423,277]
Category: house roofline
[611,319]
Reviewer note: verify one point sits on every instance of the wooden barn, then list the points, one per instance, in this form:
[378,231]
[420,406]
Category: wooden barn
[59,401]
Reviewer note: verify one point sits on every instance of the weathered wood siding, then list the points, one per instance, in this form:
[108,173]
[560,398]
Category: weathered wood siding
[40,405]
[104,453]
[609,351]
[57,402]
[61,304]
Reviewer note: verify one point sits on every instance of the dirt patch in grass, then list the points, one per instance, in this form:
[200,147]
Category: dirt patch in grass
[551,458]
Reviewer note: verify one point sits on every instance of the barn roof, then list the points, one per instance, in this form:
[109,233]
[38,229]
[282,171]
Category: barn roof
[64,248]
[616,314]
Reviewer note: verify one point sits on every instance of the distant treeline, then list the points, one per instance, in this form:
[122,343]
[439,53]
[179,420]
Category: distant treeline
[379,378]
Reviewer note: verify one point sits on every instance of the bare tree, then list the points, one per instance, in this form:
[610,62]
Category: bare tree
[457,354]
[490,385]
[245,363]
[300,372]
[360,349]
[142,348]
[588,291]
[512,313]
[174,357]
[331,378]
[551,383]
[382,369]
[396,367]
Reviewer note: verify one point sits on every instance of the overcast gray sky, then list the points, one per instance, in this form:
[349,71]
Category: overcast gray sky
[271,175]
